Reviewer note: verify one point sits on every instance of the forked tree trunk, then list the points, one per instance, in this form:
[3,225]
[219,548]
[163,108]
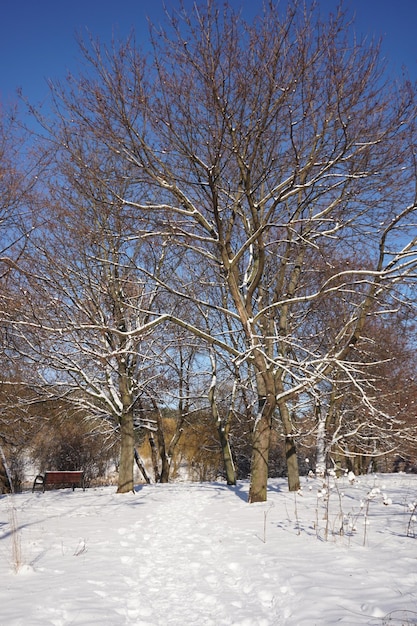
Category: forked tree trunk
[325,425]
[167,461]
[167,455]
[223,432]
[127,445]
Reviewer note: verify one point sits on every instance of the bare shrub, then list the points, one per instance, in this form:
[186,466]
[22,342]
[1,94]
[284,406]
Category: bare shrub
[74,445]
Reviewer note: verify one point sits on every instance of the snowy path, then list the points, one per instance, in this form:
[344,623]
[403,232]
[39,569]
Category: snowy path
[198,554]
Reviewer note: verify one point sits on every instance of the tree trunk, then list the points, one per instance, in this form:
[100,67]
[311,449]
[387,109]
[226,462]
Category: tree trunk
[6,485]
[127,445]
[223,427]
[154,457]
[167,458]
[141,467]
[228,463]
[292,464]
[290,448]
[321,454]
[260,452]
[165,469]
[325,426]
[165,461]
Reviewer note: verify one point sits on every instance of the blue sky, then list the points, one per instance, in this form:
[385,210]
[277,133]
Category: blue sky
[37,37]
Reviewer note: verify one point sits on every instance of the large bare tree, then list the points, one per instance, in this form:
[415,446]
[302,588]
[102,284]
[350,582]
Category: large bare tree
[255,151]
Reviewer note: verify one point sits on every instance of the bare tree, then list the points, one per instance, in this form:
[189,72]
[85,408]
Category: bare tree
[252,150]
[83,317]
[19,172]
[365,418]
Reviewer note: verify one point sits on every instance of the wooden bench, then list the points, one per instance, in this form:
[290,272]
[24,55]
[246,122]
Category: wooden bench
[59,479]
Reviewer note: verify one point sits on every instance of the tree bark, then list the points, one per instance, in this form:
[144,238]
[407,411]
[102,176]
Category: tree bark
[6,484]
[292,464]
[261,442]
[321,454]
[222,430]
[229,466]
[167,464]
[290,448]
[154,457]
[165,461]
[127,445]
[141,467]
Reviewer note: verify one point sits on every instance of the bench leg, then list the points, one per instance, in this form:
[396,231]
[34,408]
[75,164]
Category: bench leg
[39,480]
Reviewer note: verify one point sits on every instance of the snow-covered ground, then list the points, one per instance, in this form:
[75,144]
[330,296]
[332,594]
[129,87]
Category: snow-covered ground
[197,554]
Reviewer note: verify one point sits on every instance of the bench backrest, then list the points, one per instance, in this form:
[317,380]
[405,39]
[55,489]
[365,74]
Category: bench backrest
[57,478]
